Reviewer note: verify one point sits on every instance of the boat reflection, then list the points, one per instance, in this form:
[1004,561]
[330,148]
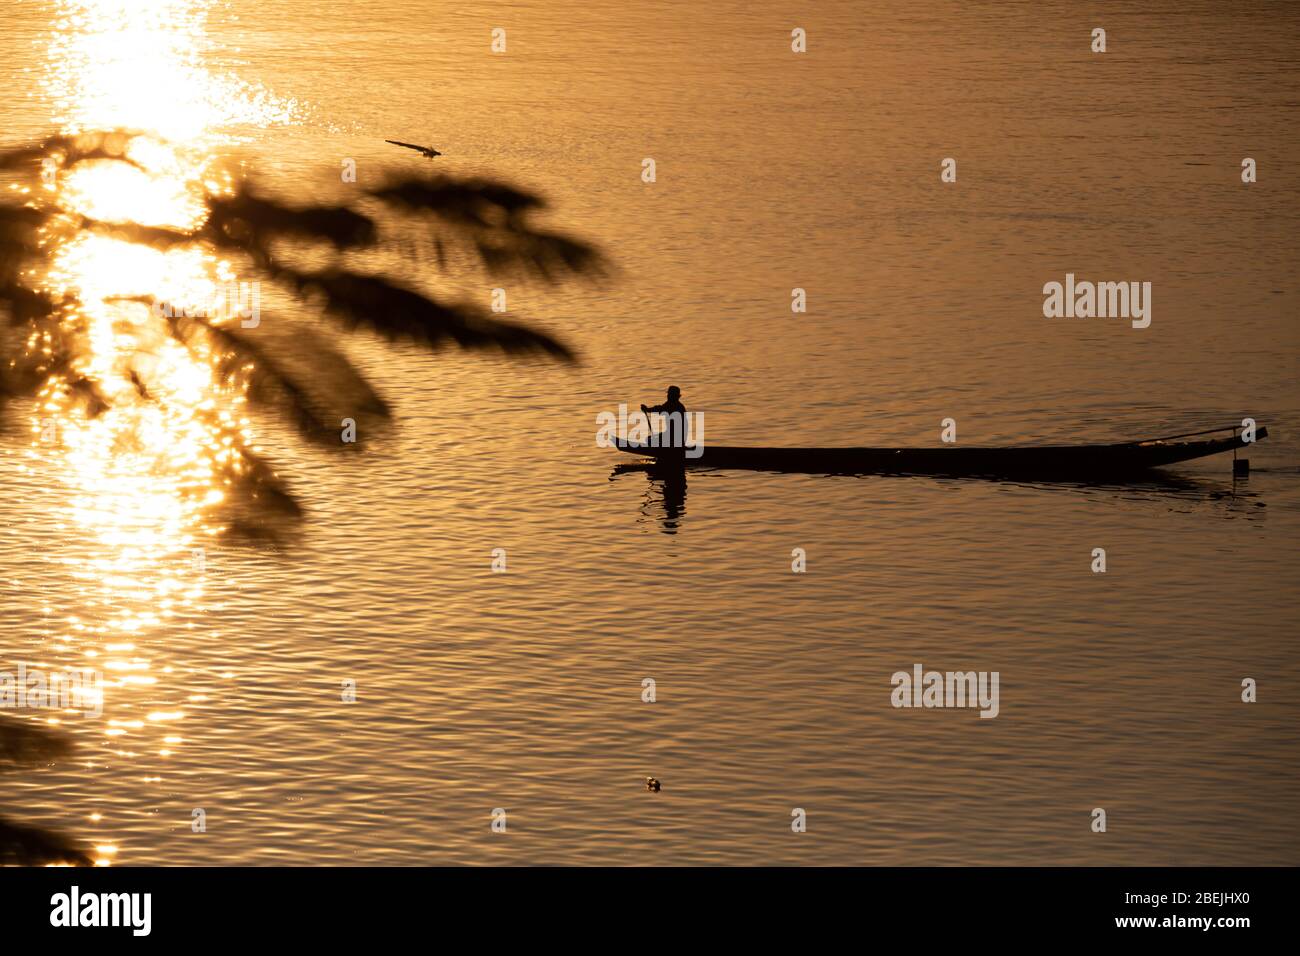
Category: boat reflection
[665,498]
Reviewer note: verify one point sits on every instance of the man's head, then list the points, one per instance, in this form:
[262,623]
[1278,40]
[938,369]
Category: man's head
[674,393]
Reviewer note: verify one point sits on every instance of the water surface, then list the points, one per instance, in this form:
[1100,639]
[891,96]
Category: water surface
[523,690]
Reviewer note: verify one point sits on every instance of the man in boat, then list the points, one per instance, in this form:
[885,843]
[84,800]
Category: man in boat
[674,433]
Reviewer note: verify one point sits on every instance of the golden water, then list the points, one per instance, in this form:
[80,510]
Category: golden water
[523,690]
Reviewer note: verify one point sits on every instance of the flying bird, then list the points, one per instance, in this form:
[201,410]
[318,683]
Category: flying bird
[428,152]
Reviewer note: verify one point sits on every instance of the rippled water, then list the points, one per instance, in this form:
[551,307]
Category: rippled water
[522,690]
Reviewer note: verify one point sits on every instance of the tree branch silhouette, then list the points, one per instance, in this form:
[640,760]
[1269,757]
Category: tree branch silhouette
[305,383]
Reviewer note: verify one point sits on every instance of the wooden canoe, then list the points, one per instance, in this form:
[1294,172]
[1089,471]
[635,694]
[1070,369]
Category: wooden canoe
[1027,461]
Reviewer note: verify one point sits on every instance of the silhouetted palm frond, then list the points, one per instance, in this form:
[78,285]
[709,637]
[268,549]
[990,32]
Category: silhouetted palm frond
[18,223]
[20,238]
[24,305]
[34,846]
[546,256]
[478,202]
[24,369]
[159,237]
[70,149]
[291,371]
[314,405]
[401,314]
[249,221]
[259,507]
[87,394]
[492,218]
[26,742]
[278,366]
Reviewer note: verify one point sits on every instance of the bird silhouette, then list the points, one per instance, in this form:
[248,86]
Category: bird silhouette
[428,152]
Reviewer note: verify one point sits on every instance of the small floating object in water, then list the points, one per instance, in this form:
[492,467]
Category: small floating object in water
[652,784]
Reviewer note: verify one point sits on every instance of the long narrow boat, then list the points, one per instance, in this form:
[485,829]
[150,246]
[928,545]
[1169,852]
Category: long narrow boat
[1065,462]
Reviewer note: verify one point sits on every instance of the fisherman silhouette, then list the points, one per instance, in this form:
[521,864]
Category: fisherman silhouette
[674,431]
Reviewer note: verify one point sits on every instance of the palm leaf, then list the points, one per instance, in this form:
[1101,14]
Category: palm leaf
[246,218]
[401,314]
[158,237]
[33,846]
[542,255]
[315,405]
[20,222]
[19,238]
[259,508]
[255,484]
[492,218]
[26,742]
[24,305]
[479,202]
[296,374]
[73,148]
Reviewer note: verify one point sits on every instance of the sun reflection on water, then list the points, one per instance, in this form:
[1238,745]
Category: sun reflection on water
[138,428]
[143,64]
